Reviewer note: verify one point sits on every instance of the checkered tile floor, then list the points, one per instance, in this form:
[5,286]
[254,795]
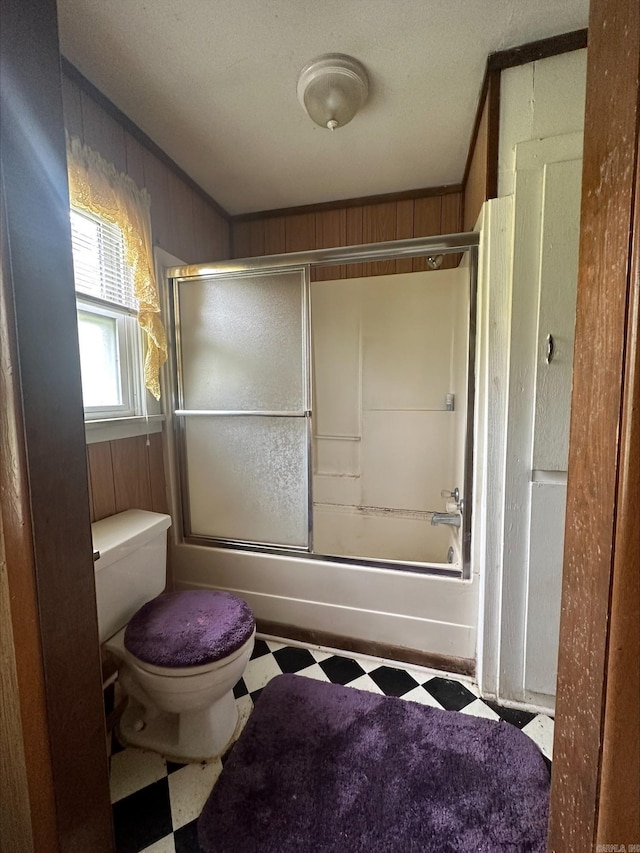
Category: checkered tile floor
[156,803]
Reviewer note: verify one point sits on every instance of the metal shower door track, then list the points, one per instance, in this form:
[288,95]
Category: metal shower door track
[368,252]
[416,247]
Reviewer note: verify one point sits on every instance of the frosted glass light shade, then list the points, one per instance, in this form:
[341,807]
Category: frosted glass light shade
[332,89]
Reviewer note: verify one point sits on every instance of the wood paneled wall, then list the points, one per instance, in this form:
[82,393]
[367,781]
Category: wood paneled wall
[183,221]
[275,232]
[481,173]
[126,474]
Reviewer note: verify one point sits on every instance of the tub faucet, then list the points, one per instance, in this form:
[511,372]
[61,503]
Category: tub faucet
[450,518]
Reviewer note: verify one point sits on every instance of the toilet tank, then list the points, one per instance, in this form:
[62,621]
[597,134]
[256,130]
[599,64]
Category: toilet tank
[132,566]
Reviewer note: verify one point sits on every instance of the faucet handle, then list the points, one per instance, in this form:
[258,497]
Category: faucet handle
[454,495]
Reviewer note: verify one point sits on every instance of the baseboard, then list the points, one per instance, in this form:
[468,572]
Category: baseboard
[454,665]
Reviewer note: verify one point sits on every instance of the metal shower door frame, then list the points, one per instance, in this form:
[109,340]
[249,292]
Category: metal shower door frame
[180,413]
[365,253]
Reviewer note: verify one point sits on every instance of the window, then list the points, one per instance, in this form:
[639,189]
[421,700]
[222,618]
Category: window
[109,335]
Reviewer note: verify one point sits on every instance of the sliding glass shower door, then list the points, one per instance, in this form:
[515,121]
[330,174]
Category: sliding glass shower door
[244,406]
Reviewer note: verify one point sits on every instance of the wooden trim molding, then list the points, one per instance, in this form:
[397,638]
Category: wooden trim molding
[493,133]
[445,663]
[45,504]
[534,50]
[485,136]
[70,71]
[346,203]
[595,793]
[619,809]
[15,815]
[24,742]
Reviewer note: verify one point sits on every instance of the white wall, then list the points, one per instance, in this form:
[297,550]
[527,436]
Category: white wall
[495,225]
[523,533]
[386,352]
[539,99]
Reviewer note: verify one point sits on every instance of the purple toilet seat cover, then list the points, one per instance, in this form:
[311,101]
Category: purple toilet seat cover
[189,628]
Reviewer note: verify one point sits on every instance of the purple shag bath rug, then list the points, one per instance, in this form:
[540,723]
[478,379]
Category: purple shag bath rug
[320,767]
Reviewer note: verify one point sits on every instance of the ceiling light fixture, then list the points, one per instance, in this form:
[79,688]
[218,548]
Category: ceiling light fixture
[332,89]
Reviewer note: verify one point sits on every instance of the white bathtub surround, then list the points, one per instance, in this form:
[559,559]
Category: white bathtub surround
[388,606]
[390,358]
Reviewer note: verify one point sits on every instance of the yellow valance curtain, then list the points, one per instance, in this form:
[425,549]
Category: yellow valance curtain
[97,187]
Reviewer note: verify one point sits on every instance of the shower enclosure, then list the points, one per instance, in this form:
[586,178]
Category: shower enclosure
[331,419]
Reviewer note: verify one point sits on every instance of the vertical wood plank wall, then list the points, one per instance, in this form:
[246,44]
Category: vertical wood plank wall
[183,223]
[475,186]
[348,225]
[126,474]
[481,173]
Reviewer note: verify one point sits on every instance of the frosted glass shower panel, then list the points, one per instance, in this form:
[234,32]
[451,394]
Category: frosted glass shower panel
[247,479]
[242,344]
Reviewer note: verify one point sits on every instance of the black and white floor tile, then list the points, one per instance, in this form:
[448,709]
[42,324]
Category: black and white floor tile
[156,803]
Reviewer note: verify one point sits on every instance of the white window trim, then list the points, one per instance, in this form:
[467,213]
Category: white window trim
[116,428]
[129,354]
[112,429]
[139,413]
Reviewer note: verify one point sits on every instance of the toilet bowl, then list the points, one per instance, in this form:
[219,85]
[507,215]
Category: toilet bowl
[185,713]
[180,653]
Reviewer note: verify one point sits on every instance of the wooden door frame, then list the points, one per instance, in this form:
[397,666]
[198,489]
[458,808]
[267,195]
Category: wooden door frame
[595,795]
[47,587]
[47,578]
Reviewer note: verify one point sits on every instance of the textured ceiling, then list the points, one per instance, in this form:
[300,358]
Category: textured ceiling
[213,82]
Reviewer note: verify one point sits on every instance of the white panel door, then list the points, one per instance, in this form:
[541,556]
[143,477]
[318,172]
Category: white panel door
[561,186]
[548,502]
[546,238]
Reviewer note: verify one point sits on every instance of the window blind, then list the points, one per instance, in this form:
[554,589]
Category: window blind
[100,268]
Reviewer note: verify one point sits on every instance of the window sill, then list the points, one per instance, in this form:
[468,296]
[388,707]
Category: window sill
[116,428]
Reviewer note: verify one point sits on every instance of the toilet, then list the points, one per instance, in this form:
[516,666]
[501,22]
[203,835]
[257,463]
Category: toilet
[180,653]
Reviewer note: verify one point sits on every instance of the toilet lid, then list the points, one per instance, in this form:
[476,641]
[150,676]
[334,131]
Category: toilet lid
[189,628]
